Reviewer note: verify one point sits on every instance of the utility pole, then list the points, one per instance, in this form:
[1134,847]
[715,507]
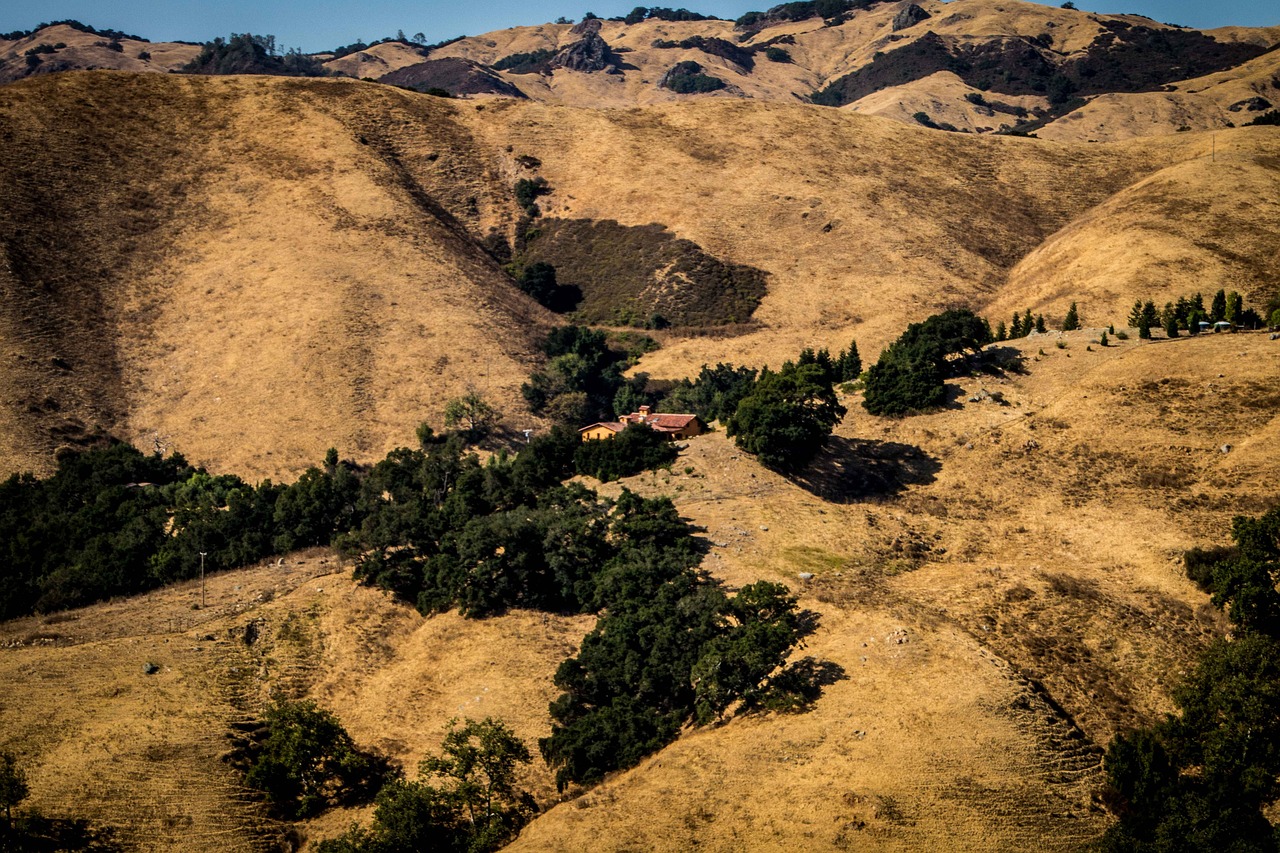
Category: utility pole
[202,555]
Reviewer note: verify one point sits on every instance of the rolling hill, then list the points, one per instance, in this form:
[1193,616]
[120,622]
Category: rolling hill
[250,269]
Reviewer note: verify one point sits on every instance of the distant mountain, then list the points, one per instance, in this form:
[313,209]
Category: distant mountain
[978,66]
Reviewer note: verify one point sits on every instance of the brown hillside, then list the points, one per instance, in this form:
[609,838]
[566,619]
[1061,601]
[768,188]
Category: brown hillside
[246,269]
[264,268]
[87,51]
[1002,584]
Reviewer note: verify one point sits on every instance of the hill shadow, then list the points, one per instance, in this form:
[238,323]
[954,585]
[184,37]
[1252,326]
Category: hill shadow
[855,469]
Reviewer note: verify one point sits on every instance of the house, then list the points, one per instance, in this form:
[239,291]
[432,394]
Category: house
[674,427]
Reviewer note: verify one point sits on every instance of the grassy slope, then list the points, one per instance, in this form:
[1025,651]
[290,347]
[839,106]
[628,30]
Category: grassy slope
[249,269]
[1053,529]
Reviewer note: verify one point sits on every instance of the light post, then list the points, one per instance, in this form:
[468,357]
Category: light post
[202,555]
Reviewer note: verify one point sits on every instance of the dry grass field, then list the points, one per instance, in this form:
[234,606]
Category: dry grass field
[1001,583]
[250,270]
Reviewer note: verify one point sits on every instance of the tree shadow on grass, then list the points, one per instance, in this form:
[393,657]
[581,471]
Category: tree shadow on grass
[854,469]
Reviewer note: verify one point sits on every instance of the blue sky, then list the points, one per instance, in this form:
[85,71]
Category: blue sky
[320,24]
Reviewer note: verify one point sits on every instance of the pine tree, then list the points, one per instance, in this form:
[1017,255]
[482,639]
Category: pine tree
[1015,328]
[1028,323]
[1135,315]
[1001,334]
[1144,327]
[1040,323]
[1072,321]
[1103,340]
[849,363]
[1170,325]
[1218,311]
[1149,314]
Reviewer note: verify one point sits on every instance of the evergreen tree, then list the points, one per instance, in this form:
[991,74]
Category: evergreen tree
[1001,334]
[1028,323]
[849,364]
[1170,325]
[1144,327]
[1135,314]
[1150,315]
[1218,310]
[1015,327]
[1072,321]
[1040,327]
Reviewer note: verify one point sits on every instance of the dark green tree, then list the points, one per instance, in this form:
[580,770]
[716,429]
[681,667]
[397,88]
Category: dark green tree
[1218,308]
[849,363]
[1072,320]
[465,800]
[1015,327]
[637,448]
[308,762]
[787,416]
[472,413]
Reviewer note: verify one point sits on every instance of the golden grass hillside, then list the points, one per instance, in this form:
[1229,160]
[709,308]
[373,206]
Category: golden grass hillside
[251,270]
[1001,582]
[82,50]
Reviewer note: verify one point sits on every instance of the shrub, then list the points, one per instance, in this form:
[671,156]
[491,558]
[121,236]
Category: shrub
[776,54]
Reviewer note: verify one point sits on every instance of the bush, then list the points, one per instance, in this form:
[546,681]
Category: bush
[776,54]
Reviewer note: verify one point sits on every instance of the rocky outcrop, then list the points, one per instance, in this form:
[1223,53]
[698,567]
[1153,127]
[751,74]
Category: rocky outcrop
[592,53]
[909,16]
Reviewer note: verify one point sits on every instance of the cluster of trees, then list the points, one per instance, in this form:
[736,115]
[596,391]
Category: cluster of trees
[686,78]
[114,35]
[1201,779]
[1188,312]
[660,13]
[831,10]
[909,375]
[112,521]
[246,53]
[671,646]
[304,761]
[788,415]
[1021,326]
[465,799]
[581,378]
[637,448]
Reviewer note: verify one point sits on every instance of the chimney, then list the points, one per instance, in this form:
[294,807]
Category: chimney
[644,413]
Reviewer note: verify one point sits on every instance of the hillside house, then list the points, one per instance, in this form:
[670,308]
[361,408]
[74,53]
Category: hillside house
[674,427]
